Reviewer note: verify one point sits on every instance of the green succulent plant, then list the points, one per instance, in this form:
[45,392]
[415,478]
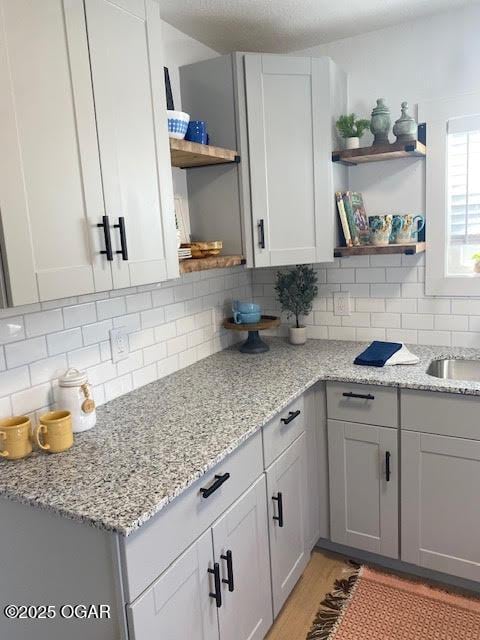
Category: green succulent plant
[296,289]
[350,127]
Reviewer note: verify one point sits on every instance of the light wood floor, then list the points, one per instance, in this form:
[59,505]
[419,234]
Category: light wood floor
[297,615]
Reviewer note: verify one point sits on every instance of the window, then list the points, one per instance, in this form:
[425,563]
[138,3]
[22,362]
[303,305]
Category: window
[463,194]
[452,194]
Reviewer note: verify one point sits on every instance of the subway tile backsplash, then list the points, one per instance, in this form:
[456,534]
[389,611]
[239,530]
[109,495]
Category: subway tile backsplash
[176,323]
[388,302]
[170,326]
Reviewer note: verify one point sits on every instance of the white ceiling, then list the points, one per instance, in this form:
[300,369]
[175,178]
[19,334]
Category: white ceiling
[290,25]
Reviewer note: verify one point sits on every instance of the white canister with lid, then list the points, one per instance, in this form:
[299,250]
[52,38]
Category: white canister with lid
[75,395]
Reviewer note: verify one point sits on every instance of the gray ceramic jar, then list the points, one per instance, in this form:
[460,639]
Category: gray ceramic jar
[380,122]
[405,128]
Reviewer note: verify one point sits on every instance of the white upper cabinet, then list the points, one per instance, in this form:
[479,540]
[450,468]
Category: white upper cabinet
[50,184]
[125,41]
[277,205]
[59,177]
[290,119]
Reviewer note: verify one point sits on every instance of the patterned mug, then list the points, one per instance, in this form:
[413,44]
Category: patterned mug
[380,229]
[405,228]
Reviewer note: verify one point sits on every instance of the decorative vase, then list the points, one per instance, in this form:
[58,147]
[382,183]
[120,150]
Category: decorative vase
[380,123]
[352,143]
[476,267]
[405,128]
[297,335]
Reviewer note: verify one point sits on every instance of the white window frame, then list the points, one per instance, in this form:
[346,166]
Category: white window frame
[436,114]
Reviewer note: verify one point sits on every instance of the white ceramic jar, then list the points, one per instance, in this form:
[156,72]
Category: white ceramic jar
[75,395]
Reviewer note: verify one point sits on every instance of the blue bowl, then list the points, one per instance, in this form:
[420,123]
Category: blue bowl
[246,307]
[246,318]
[177,124]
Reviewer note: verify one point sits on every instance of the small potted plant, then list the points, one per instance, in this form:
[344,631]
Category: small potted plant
[476,262]
[352,129]
[296,289]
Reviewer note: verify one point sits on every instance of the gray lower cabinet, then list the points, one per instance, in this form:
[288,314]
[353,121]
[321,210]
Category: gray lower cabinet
[363,471]
[184,588]
[440,504]
[187,602]
[286,493]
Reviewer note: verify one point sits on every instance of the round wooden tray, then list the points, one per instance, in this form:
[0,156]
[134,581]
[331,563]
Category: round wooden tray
[253,344]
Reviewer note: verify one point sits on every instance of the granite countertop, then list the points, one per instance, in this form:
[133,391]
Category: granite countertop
[151,444]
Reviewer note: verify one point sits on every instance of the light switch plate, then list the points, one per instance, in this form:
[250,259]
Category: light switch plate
[119,344]
[341,303]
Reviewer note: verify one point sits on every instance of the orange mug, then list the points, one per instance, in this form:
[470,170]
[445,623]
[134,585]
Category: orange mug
[15,440]
[54,433]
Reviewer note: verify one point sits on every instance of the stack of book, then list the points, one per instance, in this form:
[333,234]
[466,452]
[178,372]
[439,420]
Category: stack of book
[353,218]
[184,253]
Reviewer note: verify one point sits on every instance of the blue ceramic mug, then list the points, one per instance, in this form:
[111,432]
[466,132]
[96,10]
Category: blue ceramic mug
[246,312]
[405,228]
[197,132]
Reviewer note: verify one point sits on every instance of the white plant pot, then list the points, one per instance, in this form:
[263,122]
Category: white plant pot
[297,335]
[352,143]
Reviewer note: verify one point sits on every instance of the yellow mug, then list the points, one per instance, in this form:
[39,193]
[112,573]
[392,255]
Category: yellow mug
[15,441]
[55,429]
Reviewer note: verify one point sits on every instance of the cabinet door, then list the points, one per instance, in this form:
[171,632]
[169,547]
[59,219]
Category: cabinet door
[440,509]
[363,470]
[50,184]
[289,134]
[286,490]
[240,540]
[178,606]
[125,50]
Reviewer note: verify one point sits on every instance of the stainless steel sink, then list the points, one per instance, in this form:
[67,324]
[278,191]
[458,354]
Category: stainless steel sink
[455,369]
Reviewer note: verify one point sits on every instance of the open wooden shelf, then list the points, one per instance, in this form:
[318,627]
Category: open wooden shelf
[351,157]
[367,250]
[185,154]
[214,262]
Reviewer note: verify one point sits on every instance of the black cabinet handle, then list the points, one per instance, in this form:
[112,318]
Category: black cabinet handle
[279,500]
[105,224]
[363,396]
[291,416]
[217,594]
[229,580]
[261,228]
[123,237]
[387,466]
[219,480]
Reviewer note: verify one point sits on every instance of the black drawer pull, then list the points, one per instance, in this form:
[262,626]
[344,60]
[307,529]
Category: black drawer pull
[229,580]
[279,499]
[291,416]
[105,224]
[219,480]
[217,594]
[123,237]
[362,396]
[387,466]
[261,229]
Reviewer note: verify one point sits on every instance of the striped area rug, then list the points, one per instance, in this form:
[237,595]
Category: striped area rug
[373,605]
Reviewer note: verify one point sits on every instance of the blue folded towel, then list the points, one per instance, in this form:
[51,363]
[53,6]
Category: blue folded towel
[377,353]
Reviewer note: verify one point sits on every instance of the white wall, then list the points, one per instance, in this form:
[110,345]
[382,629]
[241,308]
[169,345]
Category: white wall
[428,58]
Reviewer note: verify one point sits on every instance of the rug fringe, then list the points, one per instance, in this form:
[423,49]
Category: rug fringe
[333,605]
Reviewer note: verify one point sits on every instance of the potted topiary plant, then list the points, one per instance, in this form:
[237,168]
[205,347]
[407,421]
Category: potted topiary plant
[476,262]
[352,129]
[296,289]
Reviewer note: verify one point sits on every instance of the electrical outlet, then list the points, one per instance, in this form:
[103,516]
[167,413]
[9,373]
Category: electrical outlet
[119,344]
[341,303]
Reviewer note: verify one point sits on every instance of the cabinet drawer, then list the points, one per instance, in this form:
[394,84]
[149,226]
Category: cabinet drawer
[445,414]
[368,404]
[280,432]
[148,552]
